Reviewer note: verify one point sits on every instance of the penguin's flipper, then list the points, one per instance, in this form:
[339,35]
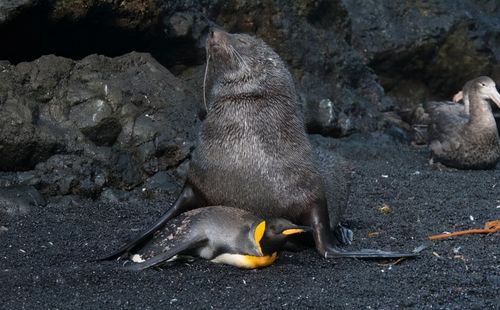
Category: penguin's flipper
[335,252]
[177,249]
[187,200]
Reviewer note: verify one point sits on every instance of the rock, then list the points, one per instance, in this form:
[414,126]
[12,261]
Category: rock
[339,119]
[185,25]
[81,125]
[112,195]
[12,8]
[381,27]
[71,174]
[400,135]
[426,51]
[179,24]
[162,181]
[104,133]
[68,201]
[19,200]
[95,120]
[127,169]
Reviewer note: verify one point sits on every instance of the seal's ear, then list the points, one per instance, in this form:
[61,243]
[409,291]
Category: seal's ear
[295,230]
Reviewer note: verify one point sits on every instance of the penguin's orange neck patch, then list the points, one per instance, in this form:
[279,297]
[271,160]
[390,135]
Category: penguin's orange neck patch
[246,261]
[258,234]
[252,262]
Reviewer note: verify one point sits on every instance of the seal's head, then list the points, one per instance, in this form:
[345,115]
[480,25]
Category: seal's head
[243,64]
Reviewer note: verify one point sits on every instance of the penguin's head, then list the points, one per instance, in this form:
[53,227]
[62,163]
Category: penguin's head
[275,232]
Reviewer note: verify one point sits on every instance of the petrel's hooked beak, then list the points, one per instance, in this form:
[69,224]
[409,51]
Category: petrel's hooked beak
[495,96]
[458,96]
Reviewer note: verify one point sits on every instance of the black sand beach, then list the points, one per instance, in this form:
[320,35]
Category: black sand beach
[47,256]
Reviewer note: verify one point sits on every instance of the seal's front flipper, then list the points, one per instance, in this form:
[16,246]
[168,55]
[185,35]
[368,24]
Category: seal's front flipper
[178,249]
[188,199]
[335,252]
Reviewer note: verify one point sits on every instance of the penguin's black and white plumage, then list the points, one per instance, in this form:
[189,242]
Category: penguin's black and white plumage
[219,234]
[466,137]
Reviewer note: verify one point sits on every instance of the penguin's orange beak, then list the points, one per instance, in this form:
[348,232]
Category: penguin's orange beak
[296,230]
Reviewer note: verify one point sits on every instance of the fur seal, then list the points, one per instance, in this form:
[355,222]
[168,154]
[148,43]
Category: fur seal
[220,234]
[253,152]
[466,138]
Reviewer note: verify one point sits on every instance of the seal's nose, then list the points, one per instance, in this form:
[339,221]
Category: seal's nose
[215,35]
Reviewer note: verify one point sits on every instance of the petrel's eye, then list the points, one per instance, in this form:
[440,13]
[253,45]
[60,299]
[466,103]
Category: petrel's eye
[482,84]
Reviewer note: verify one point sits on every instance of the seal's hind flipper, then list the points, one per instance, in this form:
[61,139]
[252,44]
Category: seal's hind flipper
[177,249]
[333,252]
[187,200]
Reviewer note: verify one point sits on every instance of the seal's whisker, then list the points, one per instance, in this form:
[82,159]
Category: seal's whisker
[232,53]
[243,62]
[237,56]
[205,83]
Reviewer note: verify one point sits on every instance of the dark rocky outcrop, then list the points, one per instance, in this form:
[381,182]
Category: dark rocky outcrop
[87,124]
[340,51]
[12,8]
[79,126]
[426,49]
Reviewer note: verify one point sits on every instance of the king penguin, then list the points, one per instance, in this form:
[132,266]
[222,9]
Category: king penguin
[220,234]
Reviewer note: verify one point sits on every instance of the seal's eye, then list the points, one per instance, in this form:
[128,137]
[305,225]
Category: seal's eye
[243,41]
